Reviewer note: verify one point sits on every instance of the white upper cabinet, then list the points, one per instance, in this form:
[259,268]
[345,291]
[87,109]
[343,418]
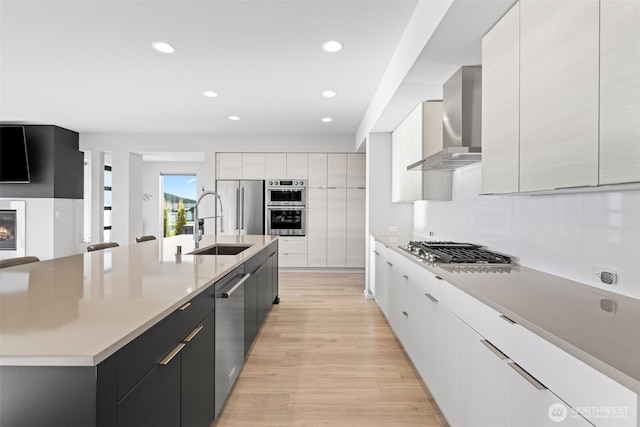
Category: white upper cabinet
[337,170]
[559,62]
[356,170]
[417,137]
[275,165]
[297,165]
[317,170]
[501,105]
[619,91]
[406,148]
[253,165]
[229,165]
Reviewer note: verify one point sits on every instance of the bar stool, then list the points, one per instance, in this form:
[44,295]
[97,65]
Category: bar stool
[145,238]
[18,261]
[100,246]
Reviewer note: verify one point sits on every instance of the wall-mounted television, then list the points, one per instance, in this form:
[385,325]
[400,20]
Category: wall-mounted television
[14,161]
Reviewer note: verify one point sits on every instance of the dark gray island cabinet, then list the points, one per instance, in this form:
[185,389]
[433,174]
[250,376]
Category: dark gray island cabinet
[177,373]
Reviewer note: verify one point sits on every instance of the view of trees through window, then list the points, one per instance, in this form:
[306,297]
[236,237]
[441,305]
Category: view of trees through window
[180,193]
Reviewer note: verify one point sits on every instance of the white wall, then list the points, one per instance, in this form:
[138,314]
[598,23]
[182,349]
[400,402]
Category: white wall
[151,210]
[562,234]
[131,177]
[53,227]
[381,213]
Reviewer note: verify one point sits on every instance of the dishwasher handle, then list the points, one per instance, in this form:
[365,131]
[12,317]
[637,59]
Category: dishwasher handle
[228,293]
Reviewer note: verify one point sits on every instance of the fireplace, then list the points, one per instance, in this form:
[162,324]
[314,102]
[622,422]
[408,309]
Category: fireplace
[12,228]
[8,230]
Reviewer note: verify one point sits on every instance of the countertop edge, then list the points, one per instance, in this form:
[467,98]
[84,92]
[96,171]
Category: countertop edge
[585,357]
[94,360]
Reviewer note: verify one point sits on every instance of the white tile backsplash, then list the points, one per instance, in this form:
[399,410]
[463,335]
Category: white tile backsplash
[562,234]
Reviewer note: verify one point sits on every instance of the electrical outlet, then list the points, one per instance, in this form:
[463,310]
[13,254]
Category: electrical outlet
[603,275]
[393,229]
[606,304]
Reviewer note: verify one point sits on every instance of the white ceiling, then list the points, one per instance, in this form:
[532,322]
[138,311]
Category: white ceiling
[87,65]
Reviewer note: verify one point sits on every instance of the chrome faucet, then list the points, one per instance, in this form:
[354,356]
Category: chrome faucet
[196,231]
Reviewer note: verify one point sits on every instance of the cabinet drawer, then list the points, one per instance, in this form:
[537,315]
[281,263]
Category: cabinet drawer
[572,380]
[141,355]
[293,246]
[292,260]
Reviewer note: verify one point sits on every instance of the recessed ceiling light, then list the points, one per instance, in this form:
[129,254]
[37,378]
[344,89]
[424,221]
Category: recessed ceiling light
[328,94]
[332,46]
[327,119]
[163,47]
[210,94]
[234,118]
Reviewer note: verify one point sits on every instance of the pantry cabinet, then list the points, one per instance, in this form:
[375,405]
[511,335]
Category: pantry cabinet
[355,227]
[336,170]
[619,91]
[317,226]
[337,227]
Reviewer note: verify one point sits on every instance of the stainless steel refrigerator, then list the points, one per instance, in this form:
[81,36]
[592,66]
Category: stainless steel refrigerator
[242,207]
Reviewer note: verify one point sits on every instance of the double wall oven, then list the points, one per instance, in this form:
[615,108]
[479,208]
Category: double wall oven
[285,207]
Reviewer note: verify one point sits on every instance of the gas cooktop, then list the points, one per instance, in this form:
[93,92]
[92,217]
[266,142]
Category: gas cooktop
[455,253]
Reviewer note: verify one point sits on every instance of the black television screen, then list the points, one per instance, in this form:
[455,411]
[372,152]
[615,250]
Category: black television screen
[14,162]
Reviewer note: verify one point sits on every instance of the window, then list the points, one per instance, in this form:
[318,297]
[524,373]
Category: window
[107,203]
[179,203]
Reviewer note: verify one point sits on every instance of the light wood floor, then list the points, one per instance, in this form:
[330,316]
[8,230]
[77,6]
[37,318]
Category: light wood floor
[326,356]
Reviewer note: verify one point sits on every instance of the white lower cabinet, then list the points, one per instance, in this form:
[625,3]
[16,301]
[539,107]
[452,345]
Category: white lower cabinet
[481,368]
[292,251]
[483,382]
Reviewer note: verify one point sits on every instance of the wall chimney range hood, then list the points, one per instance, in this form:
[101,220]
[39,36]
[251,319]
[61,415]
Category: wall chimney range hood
[461,123]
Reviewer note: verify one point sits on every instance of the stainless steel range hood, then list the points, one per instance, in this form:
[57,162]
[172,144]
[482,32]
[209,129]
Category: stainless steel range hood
[461,123]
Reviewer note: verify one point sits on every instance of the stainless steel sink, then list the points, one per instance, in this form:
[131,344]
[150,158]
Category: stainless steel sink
[220,249]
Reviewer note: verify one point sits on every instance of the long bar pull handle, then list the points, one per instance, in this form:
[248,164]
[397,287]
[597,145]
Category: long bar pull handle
[527,376]
[494,349]
[193,333]
[405,276]
[405,314]
[389,264]
[376,252]
[242,208]
[237,285]
[438,277]
[177,349]
[184,307]
[507,319]
[237,208]
[431,297]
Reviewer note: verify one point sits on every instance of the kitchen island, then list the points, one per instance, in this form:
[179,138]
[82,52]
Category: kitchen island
[66,323]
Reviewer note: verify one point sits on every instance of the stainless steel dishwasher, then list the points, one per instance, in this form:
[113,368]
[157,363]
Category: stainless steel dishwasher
[229,333]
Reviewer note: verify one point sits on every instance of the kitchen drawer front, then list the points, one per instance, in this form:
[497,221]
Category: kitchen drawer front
[572,380]
[141,355]
[441,290]
[292,260]
[293,246]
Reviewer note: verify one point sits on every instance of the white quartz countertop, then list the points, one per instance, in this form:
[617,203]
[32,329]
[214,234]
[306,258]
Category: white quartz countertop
[562,311]
[79,310]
